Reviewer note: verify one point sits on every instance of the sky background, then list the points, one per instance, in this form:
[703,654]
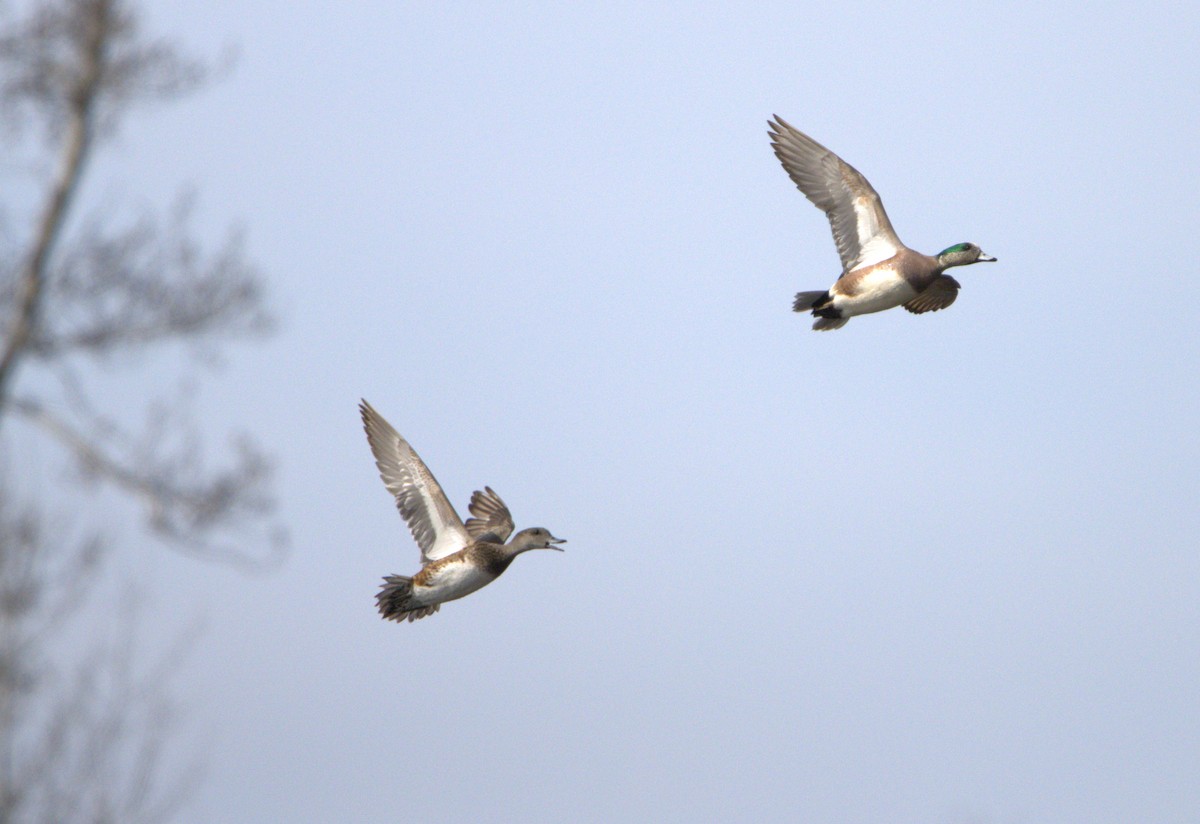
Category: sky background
[922,569]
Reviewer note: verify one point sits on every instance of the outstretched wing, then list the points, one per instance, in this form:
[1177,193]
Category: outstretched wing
[861,229]
[937,295]
[492,522]
[435,525]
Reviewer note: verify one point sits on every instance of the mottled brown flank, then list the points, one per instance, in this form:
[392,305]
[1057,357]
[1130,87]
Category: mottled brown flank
[424,578]
[918,269]
[491,557]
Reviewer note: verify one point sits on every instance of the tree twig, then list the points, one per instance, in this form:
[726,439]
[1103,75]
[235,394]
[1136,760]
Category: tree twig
[177,512]
[74,154]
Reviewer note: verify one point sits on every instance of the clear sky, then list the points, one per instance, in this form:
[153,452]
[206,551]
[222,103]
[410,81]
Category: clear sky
[922,569]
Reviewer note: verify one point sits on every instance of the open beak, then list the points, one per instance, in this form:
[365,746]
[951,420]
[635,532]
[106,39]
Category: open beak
[551,543]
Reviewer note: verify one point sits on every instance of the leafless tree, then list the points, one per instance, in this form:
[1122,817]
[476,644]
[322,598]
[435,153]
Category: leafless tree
[82,741]
[80,290]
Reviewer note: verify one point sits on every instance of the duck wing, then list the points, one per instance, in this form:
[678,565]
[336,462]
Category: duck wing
[861,228]
[492,521]
[937,295]
[434,524]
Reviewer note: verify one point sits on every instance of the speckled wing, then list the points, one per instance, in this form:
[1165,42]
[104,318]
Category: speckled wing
[861,229]
[937,295]
[492,521]
[435,525]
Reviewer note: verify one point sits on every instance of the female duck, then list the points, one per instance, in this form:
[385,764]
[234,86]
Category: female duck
[456,558]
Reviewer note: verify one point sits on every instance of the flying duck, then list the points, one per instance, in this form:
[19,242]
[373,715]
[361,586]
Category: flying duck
[456,558]
[878,271]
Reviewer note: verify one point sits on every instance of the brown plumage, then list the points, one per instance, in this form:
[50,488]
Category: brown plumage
[457,558]
[878,271]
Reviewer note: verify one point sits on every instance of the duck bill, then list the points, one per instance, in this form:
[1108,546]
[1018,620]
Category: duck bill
[553,544]
[985,259]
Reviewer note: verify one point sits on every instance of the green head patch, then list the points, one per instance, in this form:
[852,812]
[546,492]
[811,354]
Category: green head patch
[958,247]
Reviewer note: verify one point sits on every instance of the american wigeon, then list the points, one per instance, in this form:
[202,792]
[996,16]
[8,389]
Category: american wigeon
[456,558]
[878,271]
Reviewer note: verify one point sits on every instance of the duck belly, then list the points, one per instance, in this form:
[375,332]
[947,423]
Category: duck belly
[452,582]
[873,292]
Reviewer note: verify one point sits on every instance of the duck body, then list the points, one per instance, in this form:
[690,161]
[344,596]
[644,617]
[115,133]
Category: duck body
[446,579]
[879,272]
[897,281]
[457,558]
[460,574]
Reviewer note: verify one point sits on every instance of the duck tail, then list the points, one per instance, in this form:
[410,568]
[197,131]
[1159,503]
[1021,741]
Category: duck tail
[395,600]
[809,300]
[826,324]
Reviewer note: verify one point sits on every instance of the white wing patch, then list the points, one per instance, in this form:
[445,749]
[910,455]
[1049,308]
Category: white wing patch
[434,524]
[874,239]
[449,534]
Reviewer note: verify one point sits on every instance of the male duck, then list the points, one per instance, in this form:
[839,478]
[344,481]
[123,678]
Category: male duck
[878,271]
[456,558]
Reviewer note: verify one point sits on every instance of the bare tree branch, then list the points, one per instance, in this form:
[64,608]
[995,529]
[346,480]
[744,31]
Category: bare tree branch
[178,507]
[102,293]
[80,96]
[148,284]
[85,743]
[42,71]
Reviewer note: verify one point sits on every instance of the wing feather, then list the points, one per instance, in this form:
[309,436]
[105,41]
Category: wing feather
[937,295]
[861,228]
[492,521]
[434,524]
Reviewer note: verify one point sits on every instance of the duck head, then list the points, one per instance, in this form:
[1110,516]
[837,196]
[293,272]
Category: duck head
[534,538]
[962,254]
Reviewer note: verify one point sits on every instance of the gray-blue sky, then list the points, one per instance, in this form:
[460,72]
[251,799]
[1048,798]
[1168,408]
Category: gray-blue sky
[936,568]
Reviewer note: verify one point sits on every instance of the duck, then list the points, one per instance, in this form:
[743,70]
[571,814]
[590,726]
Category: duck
[878,271]
[457,557]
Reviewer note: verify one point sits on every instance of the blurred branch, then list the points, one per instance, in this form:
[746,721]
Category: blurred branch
[86,743]
[43,73]
[79,94]
[145,285]
[182,511]
[102,293]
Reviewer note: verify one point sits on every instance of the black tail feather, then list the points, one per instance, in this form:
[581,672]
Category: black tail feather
[810,300]
[394,600]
